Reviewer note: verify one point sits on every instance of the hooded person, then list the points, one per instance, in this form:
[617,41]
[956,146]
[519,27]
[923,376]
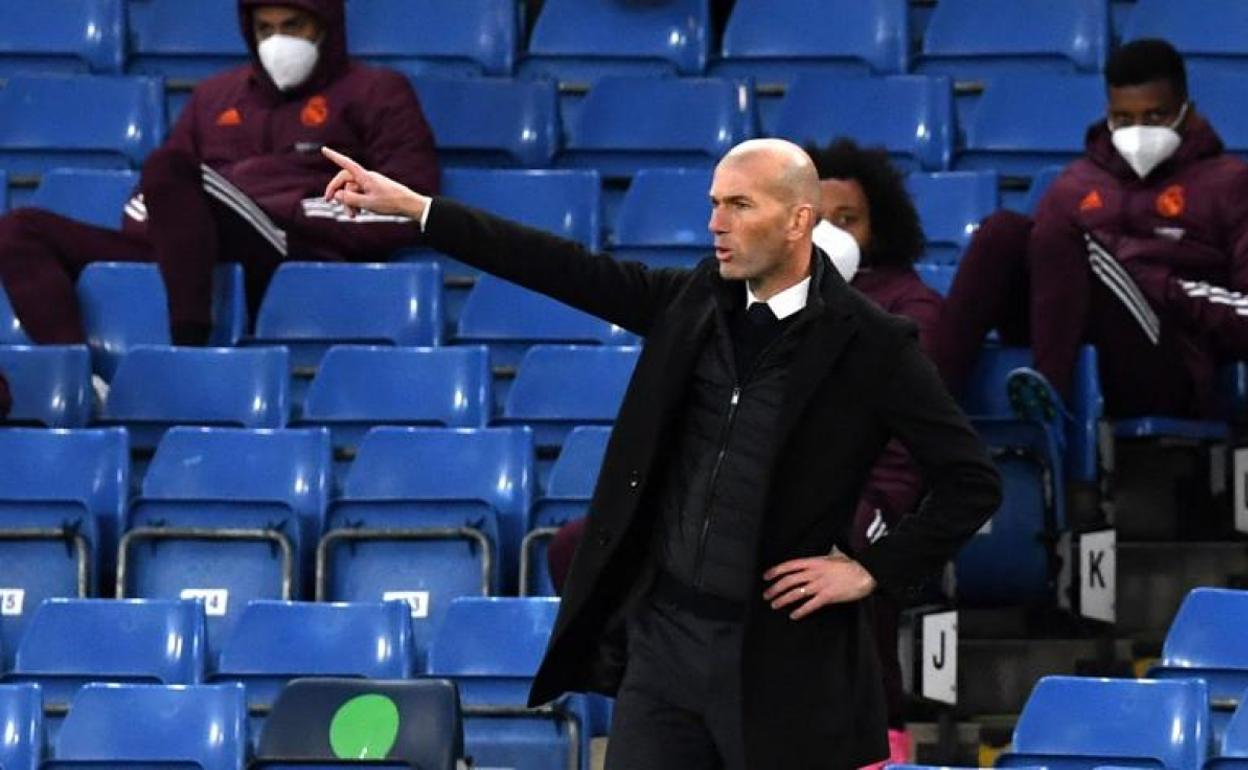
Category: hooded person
[1140,248]
[238,178]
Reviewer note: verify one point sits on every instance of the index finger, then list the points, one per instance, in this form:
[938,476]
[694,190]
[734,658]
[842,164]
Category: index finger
[344,162]
[793,565]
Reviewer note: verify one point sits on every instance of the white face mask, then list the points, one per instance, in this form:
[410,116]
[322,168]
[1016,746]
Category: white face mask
[289,60]
[840,246]
[1146,147]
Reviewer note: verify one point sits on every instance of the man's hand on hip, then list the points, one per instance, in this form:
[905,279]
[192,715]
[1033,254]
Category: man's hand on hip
[816,582]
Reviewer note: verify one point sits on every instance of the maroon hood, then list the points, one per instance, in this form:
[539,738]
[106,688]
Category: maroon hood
[333,57]
[1200,141]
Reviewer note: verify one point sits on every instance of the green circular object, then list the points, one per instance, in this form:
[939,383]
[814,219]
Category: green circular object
[364,727]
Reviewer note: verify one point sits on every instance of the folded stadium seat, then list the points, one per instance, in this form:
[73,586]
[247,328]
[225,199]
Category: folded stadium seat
[65,491]
[951,205]
[910,116]
[428,514]
[1219,96]
[158,387]
[152,641]
[564,202]
[1026,122]
[183,42]
[1234,747]
[310,306]
[492,648]
[1209,37]
[578,41]
[43,126]
[413,723]
[94,196]
[663,218]
[70,36]
[1012,559]
[1040,182]
[629,123]
[227,515]
[977,39]
[21,722]
[443,37]
[274,642]
[1076,722]
[566,497]
[511,319]
[938,277]
[359,388]
[773,41]
[143,726]
[124,305]
[1204,642]
[491,122]
[50,384]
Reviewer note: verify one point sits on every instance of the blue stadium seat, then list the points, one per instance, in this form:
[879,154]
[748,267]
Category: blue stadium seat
[94,196]
[1208,36]
[558,387]
[910,116]
[444,37]
[157,387]
[62,36]
[975,39]
[492,648]
[429,726]
[73,485]
[198,726]
[938,277]
[565,202]
[773,41]
[274,642]
[124,304]
[50,384]
[510,319]
[1234,748]
[310,306]
[663,218]
[203,527]
[21,722]
[181,40]
[1026,122]
[43,126]
[492,121]
[579,41]
[359,388]
[687,122]
[1040,182]
[1203,643]
[1075,722]
[951,205]
[428,514]
[11,331]
[567,495]
[1219,96]
[129,641]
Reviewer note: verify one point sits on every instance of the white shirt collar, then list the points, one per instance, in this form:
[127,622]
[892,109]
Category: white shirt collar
[785,303]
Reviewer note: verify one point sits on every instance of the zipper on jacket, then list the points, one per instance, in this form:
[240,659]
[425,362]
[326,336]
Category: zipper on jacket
[710,487]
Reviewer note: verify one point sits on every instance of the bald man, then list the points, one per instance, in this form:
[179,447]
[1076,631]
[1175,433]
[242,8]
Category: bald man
[712,594]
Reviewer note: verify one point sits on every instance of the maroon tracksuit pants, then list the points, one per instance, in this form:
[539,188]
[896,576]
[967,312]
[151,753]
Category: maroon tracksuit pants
[1037,286]
[187,232]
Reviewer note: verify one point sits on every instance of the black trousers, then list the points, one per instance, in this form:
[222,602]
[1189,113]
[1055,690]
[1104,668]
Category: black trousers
[679,706]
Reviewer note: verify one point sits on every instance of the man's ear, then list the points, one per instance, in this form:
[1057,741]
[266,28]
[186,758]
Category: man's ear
[803,221]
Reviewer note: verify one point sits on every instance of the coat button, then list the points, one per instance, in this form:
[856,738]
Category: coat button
[603,538]
[634,480]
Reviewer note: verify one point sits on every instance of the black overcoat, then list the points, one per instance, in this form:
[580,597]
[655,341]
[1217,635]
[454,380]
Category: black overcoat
[812,690]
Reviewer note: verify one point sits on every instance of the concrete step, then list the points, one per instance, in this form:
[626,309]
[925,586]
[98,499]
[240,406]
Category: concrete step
[995,676]
[1153,578]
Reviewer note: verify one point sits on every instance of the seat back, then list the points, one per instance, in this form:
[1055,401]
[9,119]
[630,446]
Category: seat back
[951,205]
[89,467]
[204,726]
[1219,95]
[980,38]
[62,36]
[180,39]
[446,37]
[1208,39]
[470,643]
[910,116]
[50,384]
[566,202]
[575,472]
[94,196]
[666,207]
[579,40]
[688,122]
[1204,641]
[570,384]
[416,723]
[491,122]
[21,722]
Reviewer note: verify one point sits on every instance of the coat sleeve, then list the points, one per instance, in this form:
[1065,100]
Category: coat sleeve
[964,487]
[626,294]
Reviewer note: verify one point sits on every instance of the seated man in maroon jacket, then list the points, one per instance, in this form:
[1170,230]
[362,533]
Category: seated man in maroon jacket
[239,179]
[1139,248]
